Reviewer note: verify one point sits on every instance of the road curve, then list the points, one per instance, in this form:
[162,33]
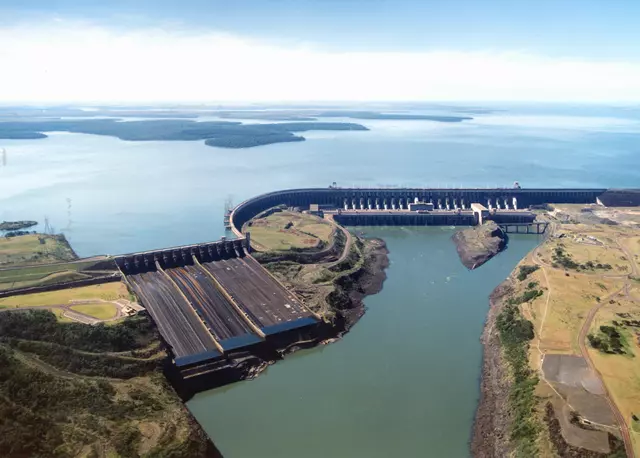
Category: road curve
[582,337]
[584,330]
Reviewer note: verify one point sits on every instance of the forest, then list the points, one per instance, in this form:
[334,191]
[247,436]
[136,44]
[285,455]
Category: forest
[71,389]
[225,134]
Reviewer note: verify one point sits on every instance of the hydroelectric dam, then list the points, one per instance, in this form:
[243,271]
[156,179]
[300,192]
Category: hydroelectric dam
[221,314]
[427,206]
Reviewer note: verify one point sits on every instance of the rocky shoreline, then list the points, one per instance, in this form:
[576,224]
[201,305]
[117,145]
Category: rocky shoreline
[346,301]
[476,245]
[362,283]
[490,436]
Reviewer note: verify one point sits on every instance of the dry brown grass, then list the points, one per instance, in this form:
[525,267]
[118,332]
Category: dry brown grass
[305,231]
[621,373]
[562,315]
[573,294]
[106,291]
[33,249]
[582,252]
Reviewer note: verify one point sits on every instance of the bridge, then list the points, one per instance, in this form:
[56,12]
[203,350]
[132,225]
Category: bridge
[445,200]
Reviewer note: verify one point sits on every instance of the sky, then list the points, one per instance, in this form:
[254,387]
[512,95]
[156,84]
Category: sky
[207,51]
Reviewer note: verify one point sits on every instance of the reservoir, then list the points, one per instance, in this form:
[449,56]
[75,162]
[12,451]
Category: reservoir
[404,382]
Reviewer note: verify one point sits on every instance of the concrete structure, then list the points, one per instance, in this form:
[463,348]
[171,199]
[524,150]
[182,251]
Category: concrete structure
[398,199]
[480,212]
[212,298]
[421,206]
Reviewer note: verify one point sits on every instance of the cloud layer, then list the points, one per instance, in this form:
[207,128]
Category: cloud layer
[77,62]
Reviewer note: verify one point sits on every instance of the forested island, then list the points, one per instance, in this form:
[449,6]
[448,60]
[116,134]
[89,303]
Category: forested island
[215,133]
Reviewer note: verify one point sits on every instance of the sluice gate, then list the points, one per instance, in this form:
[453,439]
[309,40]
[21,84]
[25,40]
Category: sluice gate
[404,219]
[400,198]
[211,299]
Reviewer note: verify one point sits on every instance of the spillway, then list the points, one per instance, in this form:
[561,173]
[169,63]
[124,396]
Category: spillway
[178,323]
[225,323]
[259,295]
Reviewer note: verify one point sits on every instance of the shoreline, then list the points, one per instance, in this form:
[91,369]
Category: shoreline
[490,432]
[490,436]
[346,301]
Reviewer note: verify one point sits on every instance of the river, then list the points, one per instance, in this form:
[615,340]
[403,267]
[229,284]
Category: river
[405,381]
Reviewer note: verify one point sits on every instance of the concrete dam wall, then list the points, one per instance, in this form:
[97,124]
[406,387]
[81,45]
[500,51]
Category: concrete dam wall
[355,198]
[179,256]
[212,299]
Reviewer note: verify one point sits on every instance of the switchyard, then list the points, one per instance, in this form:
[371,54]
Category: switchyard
[211,299]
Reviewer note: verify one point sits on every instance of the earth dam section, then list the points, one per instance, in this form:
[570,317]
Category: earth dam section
[404,381]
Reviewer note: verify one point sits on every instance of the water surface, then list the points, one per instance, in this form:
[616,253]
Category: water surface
[113,196]
[403,382]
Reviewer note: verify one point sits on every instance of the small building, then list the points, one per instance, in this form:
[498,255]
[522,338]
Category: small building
[314,209]
[421,206]
[480,211]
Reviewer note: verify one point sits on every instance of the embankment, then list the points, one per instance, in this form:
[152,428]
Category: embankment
[368,279]
[490,436]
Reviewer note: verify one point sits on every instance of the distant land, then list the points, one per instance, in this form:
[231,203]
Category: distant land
[222,134]
[181,123]
[405,111]
[16,225]
[306,115]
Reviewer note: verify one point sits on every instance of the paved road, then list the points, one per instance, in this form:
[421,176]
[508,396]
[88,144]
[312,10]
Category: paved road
[73,314]
[347,244]
[584,330]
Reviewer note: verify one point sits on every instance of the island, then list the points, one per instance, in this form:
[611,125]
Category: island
[223,134]
[16,225]
[477,244]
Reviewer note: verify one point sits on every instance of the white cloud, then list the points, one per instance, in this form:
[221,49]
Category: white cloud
[64,61]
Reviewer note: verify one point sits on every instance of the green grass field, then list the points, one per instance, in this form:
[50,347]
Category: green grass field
[101,311]
[43,274]
[34,249]
[286,230]
[39,260]
[106,292]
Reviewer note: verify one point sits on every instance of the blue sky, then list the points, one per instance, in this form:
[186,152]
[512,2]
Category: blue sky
[606,29]
[548,34]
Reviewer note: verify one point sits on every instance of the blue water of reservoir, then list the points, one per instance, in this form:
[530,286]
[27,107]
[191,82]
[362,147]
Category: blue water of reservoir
[405,381]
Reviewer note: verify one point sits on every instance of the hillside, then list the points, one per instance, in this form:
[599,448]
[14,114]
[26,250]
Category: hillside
[69,389]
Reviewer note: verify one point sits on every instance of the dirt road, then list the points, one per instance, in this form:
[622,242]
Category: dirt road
[584,330]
